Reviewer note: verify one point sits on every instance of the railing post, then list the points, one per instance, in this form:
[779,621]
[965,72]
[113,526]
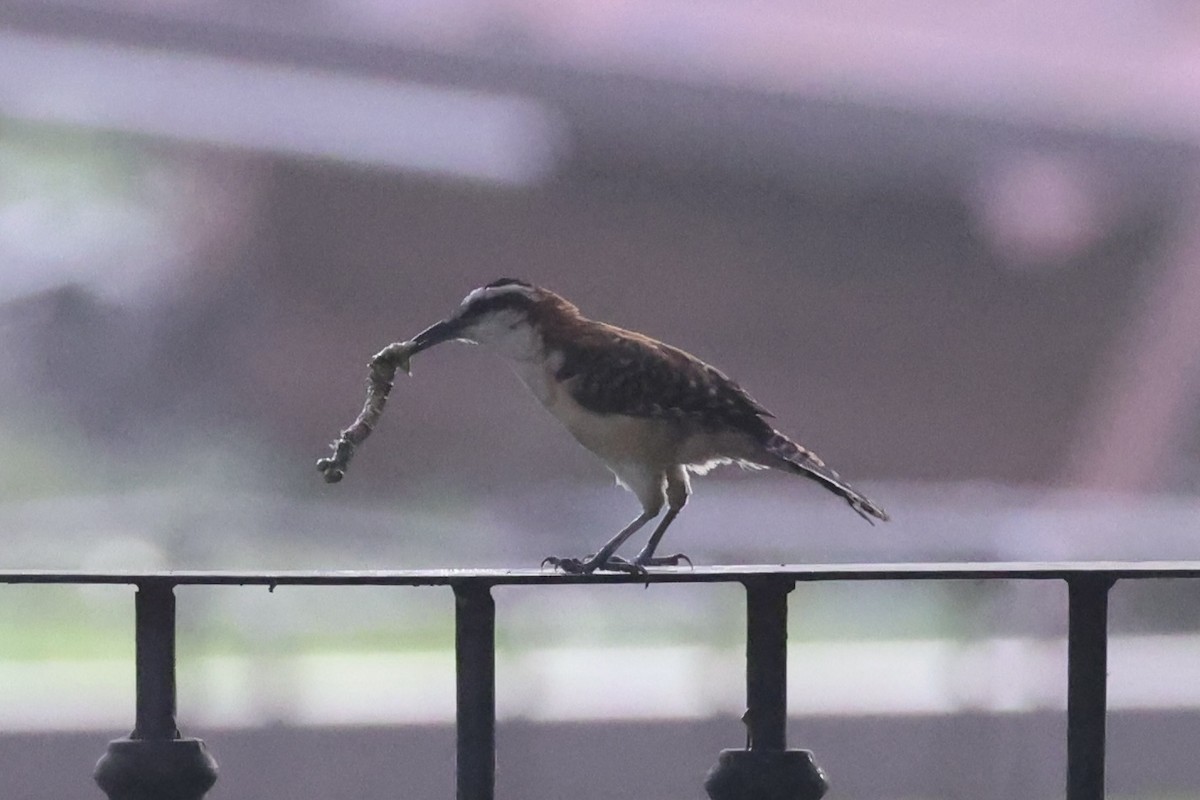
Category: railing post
[1087,684]
[475,662]
[766,769]
[154,762]
[766,666]
[154,636]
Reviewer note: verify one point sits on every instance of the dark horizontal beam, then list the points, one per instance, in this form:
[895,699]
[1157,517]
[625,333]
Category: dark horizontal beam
[1110,570]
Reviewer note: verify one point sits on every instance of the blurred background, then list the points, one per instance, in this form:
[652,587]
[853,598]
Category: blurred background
[955,248]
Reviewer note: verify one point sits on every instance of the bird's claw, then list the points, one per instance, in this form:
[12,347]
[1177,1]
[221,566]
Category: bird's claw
[572,566]
[618,564]
[575,566]
[665,561]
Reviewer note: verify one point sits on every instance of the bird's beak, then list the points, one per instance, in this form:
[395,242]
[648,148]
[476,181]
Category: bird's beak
[445,331]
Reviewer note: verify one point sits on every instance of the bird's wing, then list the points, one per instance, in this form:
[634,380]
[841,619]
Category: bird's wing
[614,371]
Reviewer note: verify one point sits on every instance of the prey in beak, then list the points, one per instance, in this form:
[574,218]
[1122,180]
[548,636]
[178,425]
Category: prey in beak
[384,364]
[488,314]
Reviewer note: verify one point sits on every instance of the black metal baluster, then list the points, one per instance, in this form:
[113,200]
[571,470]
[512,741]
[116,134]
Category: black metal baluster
[766,665]
[154,611]
[475,659]
[154,763]
[766,770]
[1087,685]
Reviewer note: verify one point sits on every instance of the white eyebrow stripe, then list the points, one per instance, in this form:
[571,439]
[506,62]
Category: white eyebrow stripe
[493,291]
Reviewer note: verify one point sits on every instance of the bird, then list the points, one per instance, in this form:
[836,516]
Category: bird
[653,413]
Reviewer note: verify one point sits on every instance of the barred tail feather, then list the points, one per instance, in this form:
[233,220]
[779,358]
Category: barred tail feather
[804,462]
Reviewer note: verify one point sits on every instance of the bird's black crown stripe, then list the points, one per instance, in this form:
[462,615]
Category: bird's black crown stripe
[496,284]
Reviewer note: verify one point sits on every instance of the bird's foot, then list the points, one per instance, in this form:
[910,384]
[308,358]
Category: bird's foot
[572,566]
[588,565]
[664,561]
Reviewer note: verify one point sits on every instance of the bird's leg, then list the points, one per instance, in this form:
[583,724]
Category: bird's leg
[646,558]
[678,489]
[604,558]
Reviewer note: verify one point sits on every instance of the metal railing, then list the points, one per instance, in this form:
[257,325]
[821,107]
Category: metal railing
[155,762]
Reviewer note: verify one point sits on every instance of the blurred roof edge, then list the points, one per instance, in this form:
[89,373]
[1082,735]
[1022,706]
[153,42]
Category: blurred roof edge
[790,125]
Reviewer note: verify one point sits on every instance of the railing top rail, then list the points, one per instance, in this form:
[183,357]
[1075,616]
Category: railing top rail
[1110,570]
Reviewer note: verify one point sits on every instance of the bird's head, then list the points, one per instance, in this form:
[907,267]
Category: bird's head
[504,312]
